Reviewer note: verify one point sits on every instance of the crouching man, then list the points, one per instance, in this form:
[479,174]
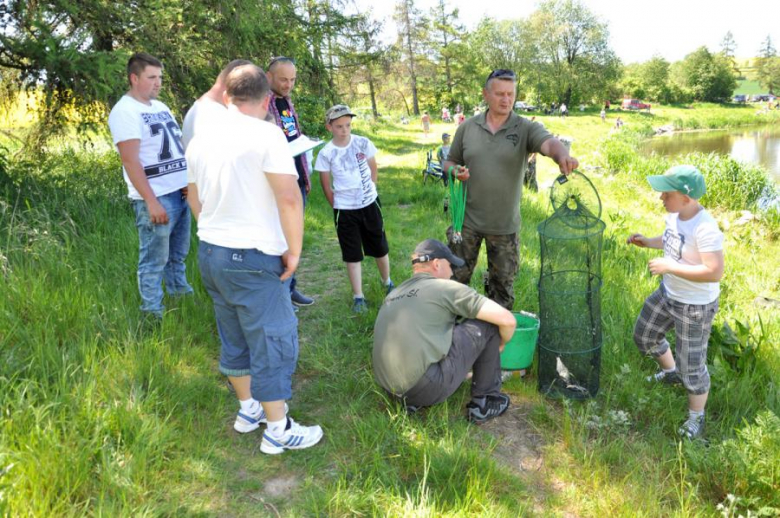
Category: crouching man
[431,331]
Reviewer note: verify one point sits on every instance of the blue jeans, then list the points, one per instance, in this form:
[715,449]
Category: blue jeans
[162,251]
[255,319]
[294,282]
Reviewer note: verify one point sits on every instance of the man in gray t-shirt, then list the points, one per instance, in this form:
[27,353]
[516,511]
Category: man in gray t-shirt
[431,331]
[491,150]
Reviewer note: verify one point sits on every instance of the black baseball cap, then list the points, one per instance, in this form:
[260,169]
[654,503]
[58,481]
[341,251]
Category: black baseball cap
[431,249]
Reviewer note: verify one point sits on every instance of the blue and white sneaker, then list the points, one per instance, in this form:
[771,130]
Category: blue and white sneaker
[246,423]
[295,437]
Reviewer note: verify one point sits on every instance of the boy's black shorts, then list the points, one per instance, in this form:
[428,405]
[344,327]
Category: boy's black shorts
[361,230]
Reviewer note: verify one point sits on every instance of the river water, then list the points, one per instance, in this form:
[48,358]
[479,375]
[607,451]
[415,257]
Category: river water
[757,145]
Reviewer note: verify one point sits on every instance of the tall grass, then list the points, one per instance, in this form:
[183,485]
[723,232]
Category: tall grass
[102,415]
[731,185]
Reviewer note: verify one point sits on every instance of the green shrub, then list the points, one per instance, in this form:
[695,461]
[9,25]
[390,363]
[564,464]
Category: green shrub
[748,464]
[731,185]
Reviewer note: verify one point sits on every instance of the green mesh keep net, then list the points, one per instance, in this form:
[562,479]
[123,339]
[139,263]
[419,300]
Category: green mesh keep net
[570,290]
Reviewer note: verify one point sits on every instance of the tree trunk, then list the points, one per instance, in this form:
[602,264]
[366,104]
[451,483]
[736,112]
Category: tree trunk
[412,75]
[372,92]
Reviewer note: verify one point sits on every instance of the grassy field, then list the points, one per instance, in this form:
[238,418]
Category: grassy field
[102,415]
[749,87]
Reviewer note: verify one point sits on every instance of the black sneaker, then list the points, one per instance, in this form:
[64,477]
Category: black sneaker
[667,378]
[299,299]
[494,406]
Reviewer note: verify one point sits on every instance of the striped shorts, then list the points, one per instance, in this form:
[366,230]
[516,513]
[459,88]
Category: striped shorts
[692,325]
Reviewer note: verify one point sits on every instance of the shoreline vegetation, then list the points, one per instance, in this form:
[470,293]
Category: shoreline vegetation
[103,414]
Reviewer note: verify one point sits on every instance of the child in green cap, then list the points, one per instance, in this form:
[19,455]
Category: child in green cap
[687,298]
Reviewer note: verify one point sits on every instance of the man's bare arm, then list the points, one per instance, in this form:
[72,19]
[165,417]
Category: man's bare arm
[290,204]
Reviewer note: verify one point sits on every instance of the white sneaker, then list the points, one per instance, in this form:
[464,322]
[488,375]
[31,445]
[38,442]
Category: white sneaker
[246,423]
[295,437]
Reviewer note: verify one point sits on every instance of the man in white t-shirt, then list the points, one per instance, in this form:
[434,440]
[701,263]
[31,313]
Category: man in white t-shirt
[206,111]
[149,143]
[244,194]
[348,161]
[687,299]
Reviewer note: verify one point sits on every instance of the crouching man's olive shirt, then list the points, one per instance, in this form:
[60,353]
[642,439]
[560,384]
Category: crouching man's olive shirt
[414,328]
[496,164]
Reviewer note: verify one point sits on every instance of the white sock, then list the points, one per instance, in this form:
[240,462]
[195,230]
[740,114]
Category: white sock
[355,296]
[694,413]
[250,406]
[276,428]
[669,370]
[388,281]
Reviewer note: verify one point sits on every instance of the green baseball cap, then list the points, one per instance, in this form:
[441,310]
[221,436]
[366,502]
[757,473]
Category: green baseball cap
[685,179]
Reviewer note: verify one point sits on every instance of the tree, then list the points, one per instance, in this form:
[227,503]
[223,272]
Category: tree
[506,44]
[446,38]
[767,50]
[728,46]
[360,59]
[767,65]
[412,33]
[709,77]
[649,80]
[769,73]
[73,52]
[655,78]
[575,58]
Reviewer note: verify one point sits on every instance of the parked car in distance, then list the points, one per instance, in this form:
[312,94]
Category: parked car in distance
[740,98]
[634,104]
[760,98]
[524,107]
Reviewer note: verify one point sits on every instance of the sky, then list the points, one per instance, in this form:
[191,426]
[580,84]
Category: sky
[639,30]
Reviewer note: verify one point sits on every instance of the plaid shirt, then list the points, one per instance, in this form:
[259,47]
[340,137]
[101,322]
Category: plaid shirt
[278,119]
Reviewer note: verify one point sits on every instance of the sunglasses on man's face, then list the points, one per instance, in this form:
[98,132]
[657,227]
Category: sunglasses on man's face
[280,59]
[502,73]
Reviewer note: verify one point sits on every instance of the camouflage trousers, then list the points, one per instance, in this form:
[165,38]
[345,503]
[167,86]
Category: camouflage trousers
[503,256]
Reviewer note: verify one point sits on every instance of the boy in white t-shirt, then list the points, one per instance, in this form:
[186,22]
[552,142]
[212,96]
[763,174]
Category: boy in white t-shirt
[348,163]
[687,299]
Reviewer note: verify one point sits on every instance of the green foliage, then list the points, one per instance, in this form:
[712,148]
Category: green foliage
[769,73]
[104,415]
[748,464]
[649,80]
[76,52]
[731,185]
[573,53]
[709,77]
[738,349]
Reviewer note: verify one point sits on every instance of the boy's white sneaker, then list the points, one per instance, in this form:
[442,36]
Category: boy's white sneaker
[246,422]
[295,437]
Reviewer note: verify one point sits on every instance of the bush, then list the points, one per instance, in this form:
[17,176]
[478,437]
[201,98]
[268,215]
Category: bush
[748,464]
[731,185]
